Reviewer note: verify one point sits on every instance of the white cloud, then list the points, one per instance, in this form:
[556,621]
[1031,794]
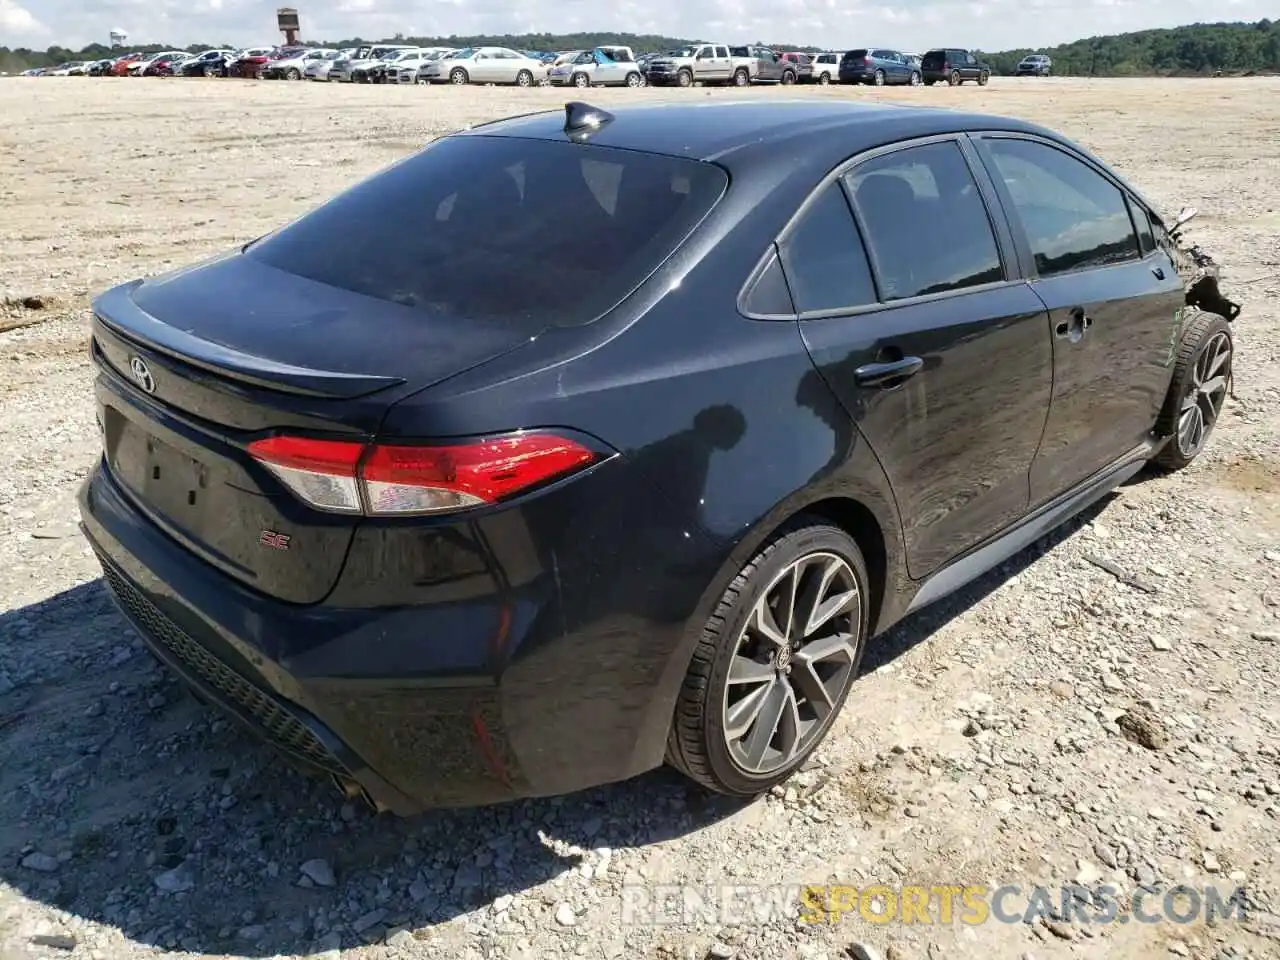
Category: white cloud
[909,24]
[17,21]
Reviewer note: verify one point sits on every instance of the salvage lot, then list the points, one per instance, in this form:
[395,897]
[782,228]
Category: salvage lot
[981,748]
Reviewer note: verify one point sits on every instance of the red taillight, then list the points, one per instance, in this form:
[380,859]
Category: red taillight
[946,65]
[343,476]
[866,59]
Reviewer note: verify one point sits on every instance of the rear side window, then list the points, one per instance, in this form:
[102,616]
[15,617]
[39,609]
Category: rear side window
[925,222]
[825,263]
[1146,242]
[518,232]
[855,55]
[1073,217]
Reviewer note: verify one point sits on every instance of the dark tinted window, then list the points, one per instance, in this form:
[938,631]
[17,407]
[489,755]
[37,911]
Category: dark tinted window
[926,224]
[769,296]
[1146,242]
[740,52]
[523,232]
[934,58]
[1073,217]
[853,55]
[825,263]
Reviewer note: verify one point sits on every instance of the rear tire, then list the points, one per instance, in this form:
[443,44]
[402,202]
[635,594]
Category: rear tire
[878,79]
[1197,392]
[525,79]
[788,78]
[741,78]
[954,80]
[823,662]
[824,79]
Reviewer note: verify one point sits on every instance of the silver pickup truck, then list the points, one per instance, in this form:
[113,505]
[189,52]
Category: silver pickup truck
[705,63]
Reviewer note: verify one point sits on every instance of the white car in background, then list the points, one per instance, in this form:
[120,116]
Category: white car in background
[405,68]
[487,65]
[319,68]
[292,68]
[342,69]
[599,67]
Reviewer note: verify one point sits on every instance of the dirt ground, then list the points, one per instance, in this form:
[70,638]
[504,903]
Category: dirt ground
[981,747]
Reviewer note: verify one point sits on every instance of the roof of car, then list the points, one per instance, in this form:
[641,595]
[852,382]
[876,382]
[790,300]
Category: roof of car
[715,129]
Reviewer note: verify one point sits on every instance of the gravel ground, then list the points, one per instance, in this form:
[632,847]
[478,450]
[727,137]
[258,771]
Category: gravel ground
[1054,723]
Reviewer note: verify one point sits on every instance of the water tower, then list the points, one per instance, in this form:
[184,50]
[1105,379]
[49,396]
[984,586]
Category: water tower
[287,23]
[119,37]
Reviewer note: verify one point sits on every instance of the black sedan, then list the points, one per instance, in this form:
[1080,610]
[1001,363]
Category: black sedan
[629,456]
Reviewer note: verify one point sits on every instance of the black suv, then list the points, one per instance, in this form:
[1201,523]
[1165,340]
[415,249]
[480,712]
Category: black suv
[953,66]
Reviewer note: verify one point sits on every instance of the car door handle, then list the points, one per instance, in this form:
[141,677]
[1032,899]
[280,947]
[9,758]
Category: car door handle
[888,374]
[1075,328]
[1159,272]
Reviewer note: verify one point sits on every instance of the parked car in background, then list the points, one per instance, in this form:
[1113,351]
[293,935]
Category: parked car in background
[120,66]
[803,63]
[486,65]
[953,66]
[292,68]
[376,70]
[345,71]
[319,68]
[825,68]
[428,60]
[753,64]
[698,63]
[1034,65]
[878,65]
[603,67]
[448,565]
[99,68]
[166,66]
[140,68]
[210,63]
[250,63]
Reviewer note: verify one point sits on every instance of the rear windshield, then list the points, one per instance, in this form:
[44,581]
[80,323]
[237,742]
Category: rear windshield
[855,55]
[530,233]
[935,56]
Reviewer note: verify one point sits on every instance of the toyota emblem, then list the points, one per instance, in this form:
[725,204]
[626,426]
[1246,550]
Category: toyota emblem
[142,374]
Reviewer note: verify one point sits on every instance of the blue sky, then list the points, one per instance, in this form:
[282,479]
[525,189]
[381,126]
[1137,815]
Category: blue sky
[908,24]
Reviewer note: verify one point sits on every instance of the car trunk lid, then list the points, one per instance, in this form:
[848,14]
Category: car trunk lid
[196,365]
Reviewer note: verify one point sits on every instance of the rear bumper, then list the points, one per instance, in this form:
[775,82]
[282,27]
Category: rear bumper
[504,692]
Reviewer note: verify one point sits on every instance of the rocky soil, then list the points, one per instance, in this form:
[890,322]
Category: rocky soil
[1103,710]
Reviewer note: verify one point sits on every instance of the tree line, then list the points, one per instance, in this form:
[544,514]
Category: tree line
[1195,49]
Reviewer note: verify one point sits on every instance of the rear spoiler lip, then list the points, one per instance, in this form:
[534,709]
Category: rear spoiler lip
[118,313]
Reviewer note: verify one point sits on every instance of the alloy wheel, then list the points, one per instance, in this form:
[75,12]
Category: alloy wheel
[792,663]
[1205,395]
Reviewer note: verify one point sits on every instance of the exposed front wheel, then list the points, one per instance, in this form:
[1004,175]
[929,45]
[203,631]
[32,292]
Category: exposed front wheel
[915,79]
[788,78]
[684,78]
[824,79]
[774,663]
[524,79]
[741,78]
[458,76]
[1198,390]
[635,80]
[581,80]
[983,77]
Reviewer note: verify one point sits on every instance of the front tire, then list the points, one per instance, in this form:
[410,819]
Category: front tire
[581,81]
[458,77]
[770,673]
[684,78]
[983,77]
[293,74]
[915,79]
[1197,392]
[635,80]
